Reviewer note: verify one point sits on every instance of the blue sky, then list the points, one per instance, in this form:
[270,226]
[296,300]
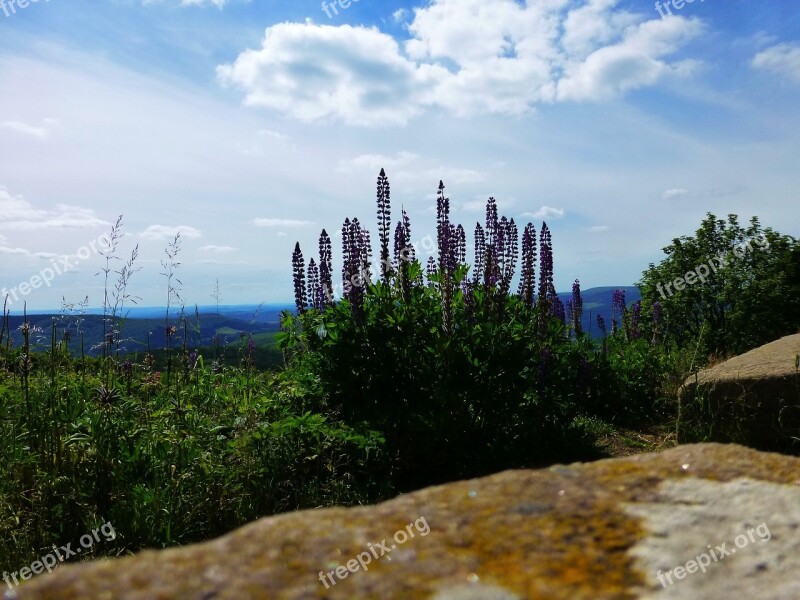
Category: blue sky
[249,125]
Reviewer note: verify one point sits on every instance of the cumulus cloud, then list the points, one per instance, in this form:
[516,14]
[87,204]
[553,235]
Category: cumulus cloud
[674,193]
[166,232]
[218,3]
[546,212]
[634,62]
[213,261]
[40,131]
[8,250]
[217,249]
[311,72]
[783,59]
[376,162]
[5,249]
[399,15]
[410,168]
[464,56]
[478,204]
[18,214]
[275,135]
[280,223]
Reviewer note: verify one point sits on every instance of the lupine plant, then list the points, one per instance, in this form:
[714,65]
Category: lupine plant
[459,375]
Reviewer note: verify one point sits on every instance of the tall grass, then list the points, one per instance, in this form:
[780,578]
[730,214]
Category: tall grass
[85,440]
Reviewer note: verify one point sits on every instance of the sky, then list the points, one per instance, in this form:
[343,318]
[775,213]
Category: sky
[249,125]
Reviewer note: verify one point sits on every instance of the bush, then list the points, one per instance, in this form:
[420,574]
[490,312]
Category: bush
[748,293]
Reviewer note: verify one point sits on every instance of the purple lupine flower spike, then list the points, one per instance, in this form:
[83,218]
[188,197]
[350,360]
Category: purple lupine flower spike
[325,270]
[384,223]
[577,308]
[527,277]
[480,253]
[298,267]
[314,290]
[601,325]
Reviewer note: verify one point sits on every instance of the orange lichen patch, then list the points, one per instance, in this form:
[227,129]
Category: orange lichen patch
[566,552]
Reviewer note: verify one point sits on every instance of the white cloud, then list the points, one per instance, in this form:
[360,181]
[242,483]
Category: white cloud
[473,206]
[220,4]
[451,175]
[275,135]
[546,212]
[783,59]
[266,144]
[635,61]
[399,15]
[165,232]
[213,261]
[217,249]
[26,129]
[16,208]
[376,162]
[312,72]
[592,24]
[674,193]
[409,169]
[7,250]
[281,223]
[18,214]
[465,56]
[598,228]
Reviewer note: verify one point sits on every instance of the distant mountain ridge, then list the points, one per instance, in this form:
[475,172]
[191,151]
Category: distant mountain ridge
[230,325]
[592,297]
[233,320]
[597,301]
[241,311]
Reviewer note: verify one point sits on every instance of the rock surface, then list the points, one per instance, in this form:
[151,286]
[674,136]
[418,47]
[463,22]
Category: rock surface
[753,399]
[599,530]
[776,359]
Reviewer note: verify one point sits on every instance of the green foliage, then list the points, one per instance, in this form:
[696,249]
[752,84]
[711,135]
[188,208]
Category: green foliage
[459,376]
[165,464]
[502,388]
[636,385]
[751,299]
